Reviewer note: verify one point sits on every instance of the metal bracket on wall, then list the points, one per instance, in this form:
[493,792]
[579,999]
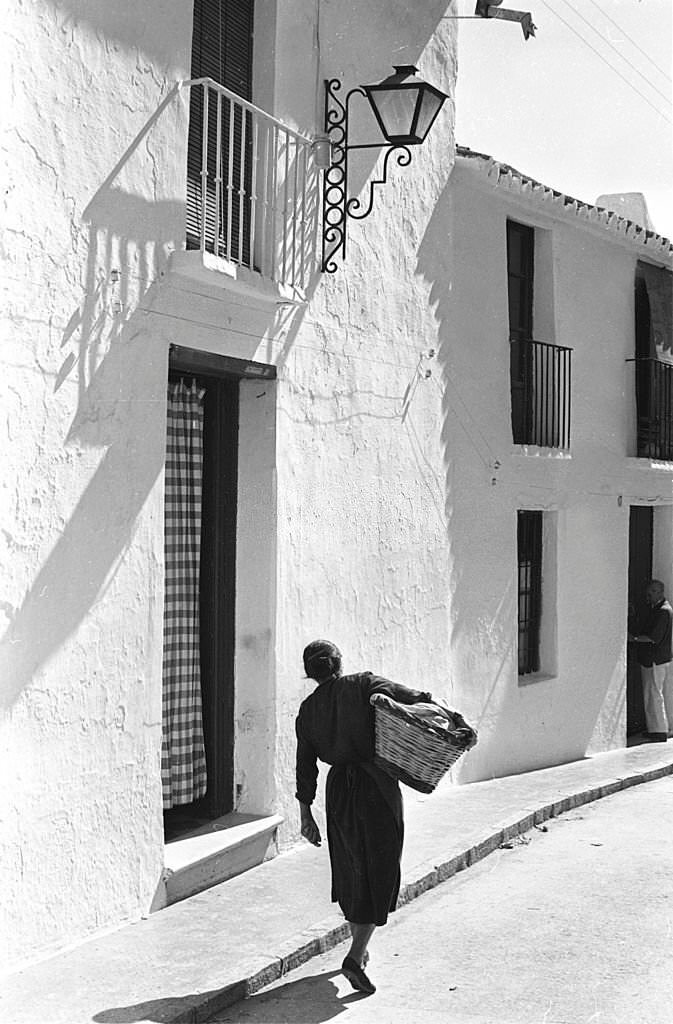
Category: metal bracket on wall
[337,206]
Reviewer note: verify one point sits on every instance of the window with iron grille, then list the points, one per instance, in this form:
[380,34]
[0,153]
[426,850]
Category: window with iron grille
[529,549]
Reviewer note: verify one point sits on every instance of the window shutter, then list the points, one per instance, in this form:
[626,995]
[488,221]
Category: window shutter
[222,50]
[520,262]
[222,43]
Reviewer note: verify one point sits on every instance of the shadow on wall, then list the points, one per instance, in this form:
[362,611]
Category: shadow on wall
[118,357]
[517,721]
[121,376]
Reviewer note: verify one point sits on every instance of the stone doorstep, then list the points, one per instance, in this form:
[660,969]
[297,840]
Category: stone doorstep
[230,846]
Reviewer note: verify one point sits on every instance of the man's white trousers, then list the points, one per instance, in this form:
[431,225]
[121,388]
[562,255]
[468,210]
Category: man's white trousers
[658,697]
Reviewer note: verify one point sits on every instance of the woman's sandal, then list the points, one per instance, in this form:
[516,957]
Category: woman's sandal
[356,976]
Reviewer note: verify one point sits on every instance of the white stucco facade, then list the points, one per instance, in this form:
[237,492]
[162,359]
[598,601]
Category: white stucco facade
[585,265]
[341,514]
[378,484]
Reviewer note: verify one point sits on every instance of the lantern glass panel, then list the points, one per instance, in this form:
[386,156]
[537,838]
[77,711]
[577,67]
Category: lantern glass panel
[395,109]
[430,106]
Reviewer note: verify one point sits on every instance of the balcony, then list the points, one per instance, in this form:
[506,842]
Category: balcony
[654,408]
[251,188]
[540,390]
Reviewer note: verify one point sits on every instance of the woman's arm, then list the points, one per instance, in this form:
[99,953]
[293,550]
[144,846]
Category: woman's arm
[398,691]
[307,779]
[309,826]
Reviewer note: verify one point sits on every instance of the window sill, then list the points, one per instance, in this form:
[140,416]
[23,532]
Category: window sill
[649,463]
[527,451]
[216,272]
[537,677]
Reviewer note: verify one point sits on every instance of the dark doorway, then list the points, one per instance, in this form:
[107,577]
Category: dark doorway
[217,580]
[520,269]
[641,527]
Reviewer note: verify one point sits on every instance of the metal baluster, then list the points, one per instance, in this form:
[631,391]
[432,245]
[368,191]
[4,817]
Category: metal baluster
[218,175]
[285,217]
[570,394]
[265,200]
[547,434]
[558,355]
[563,395]
[272,204]
[204,167]
[253,187]
[294,212]
[241,189]
[230,176]
[566,397]
[302,243]
[556,396]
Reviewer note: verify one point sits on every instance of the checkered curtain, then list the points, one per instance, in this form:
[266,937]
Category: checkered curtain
[183,761]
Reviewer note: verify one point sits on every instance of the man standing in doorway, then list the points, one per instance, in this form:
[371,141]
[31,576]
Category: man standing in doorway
[654,653]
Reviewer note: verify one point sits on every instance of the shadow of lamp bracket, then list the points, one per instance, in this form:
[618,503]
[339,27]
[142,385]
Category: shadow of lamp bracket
[405,108]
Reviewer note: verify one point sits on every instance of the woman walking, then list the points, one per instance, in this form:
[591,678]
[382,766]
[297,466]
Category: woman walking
[365,824]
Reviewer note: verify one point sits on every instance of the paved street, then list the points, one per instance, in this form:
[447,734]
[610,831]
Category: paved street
[572,925]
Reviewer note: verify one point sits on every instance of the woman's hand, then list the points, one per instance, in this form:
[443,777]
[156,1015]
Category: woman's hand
[309,828]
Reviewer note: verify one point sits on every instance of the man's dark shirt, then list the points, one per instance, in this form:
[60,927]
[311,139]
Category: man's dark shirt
[658,625]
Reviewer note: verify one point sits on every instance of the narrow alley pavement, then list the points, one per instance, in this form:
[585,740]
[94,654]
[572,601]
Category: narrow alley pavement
[571,923]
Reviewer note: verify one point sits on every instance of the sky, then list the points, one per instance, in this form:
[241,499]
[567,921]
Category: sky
[553,108]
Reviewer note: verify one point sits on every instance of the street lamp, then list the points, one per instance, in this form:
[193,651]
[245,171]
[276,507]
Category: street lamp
[405,108]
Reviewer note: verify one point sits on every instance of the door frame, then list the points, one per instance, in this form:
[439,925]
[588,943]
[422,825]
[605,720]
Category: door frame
[641,535]
[221,377]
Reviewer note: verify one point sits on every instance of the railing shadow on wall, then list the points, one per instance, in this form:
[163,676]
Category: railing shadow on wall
[114,354]
[474,443]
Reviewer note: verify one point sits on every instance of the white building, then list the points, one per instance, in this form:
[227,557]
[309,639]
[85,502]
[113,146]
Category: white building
[555,350]
[358,475]
[322,480]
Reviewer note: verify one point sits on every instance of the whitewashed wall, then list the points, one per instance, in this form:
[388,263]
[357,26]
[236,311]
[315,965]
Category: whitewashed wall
[343,456]
[584,300]
[93,185]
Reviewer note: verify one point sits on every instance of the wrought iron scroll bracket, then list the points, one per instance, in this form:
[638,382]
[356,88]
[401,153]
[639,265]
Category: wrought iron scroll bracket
[337,206]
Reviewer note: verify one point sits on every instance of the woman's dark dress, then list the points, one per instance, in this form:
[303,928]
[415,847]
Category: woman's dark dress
[365,823]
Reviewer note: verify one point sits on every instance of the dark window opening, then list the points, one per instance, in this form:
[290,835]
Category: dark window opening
[520,266]
[539,371]
[529,548]
[653,362]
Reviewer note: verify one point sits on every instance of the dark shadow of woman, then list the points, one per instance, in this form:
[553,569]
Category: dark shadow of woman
[310,1000]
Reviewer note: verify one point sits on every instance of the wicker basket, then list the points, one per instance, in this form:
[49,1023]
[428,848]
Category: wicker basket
[410,749]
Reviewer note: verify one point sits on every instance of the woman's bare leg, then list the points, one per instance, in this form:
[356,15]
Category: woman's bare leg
[360,936]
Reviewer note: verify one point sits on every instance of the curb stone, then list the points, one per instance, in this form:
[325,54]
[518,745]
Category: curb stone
[333,930]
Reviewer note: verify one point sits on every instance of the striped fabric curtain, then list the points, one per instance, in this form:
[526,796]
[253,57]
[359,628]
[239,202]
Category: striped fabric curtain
[183,761]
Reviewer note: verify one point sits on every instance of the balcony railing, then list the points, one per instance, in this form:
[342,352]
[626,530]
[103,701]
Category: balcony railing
[654,408]
[251,187]
[540,389]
